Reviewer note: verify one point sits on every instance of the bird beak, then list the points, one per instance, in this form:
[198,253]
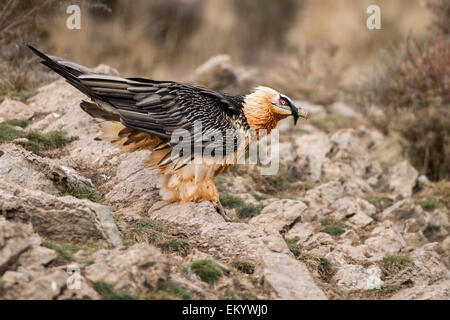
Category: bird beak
[299,113]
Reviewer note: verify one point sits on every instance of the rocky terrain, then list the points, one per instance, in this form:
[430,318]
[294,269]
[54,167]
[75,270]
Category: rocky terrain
[346,217]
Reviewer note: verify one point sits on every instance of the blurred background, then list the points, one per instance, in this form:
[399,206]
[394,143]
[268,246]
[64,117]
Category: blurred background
[314,50]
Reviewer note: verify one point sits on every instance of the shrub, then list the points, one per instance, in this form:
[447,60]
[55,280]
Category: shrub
[412,89]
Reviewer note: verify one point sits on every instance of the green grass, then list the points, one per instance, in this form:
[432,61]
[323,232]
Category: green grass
[315,263]
[260,197]
[16,123]
[380,202]
[174,290]
[384,290]
[38,142]
[206,269]
[33,140]
[248,295]
[428,204]
[333,226]
[21,95]
[243,266]
[8,132]
[292,245]
[174,244]
[325,267]
[64,250]
[243,210]
[395,263]
[107,292]
[149,231]
[86,193]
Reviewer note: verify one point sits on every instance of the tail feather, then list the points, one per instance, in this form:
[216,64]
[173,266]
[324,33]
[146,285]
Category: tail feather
[67,69]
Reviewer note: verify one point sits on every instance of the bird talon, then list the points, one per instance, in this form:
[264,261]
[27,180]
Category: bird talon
[220,210]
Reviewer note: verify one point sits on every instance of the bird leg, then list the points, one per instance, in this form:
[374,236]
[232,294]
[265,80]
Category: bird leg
[220,210]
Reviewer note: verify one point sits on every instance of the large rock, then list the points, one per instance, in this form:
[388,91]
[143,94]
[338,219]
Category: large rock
[287,277]
[279,214]
[49,284]
[34,172]
[323,198]
[218,73]
[435,291]
[311,151]
[403,178]
[133,269]
[58,218]
[357,210]
[15,110]
[133,181]
[383,240]
[356,277]
[426,268]
[13,242]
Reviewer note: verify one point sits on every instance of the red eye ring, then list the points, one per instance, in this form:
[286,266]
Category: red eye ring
[282,101]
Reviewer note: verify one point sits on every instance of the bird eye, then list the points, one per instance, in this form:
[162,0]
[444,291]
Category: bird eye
[282,101]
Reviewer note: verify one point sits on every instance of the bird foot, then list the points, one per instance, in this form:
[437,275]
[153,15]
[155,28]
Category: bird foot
[220,210]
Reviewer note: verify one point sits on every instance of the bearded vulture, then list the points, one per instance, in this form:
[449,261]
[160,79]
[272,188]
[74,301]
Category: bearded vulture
[149,113]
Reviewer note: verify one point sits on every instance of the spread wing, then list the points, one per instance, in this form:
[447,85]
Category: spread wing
[158,108]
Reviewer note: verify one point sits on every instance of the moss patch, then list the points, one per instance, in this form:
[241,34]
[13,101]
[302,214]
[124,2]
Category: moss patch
[107,292]
[333,226]
[243,210]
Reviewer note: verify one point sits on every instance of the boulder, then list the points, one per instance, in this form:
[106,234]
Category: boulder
[35,172]
[279,214]
[13,242]
[383,240]
[403,178]
[355,277]
[275,265]
[311,152]
[435,291]
[134,269]
[58,218]
[15,110]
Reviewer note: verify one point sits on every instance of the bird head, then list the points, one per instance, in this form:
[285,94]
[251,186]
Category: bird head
[264,107]
[284,106]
